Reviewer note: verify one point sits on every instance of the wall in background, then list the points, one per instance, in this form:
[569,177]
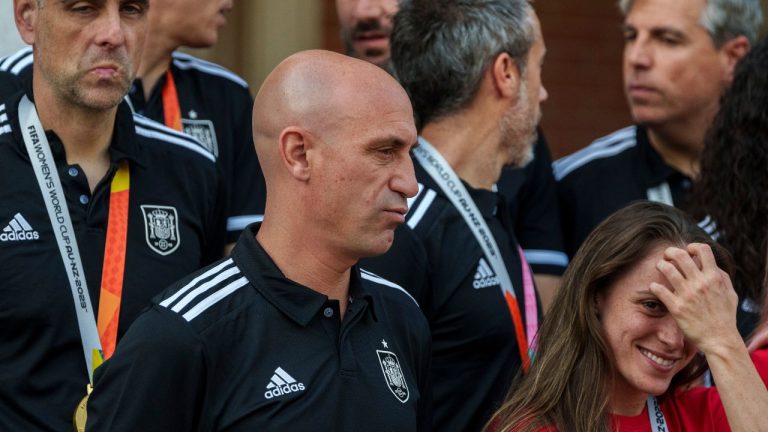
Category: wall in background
[582,69]
[261,33]
[10,41]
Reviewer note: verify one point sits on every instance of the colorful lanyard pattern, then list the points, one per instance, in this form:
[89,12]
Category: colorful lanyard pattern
[171,108]
[113,269]
[93,337]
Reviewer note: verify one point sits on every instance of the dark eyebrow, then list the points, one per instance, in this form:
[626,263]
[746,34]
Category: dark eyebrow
[661,31]
[144,3]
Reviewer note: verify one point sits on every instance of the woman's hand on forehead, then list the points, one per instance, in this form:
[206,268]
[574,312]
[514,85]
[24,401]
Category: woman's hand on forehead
[700,295]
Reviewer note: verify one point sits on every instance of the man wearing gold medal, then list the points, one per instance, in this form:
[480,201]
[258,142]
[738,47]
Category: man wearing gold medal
[99,207]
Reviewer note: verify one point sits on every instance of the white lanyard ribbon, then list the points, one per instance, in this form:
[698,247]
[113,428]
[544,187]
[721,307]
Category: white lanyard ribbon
[442,173]
[56,203]
[658,422]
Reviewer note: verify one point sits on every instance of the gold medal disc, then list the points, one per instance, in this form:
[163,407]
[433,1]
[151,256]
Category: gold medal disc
[81,414]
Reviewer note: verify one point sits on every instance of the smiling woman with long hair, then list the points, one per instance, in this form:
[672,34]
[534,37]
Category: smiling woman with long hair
[644,309]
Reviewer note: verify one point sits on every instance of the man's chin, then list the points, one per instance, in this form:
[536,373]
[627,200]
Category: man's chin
[524,158]
[379,248]
[101,99]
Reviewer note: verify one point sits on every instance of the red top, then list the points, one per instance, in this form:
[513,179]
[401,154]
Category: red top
[699,409]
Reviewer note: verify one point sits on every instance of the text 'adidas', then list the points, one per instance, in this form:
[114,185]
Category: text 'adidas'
[281,384]
[18,230]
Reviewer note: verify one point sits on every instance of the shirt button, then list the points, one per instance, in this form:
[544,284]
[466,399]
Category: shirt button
[73,172]
[84,199]
[328,312]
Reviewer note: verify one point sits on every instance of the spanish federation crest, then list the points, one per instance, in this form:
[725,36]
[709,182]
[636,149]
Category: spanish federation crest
[161,225]
[393,375]
[204,132]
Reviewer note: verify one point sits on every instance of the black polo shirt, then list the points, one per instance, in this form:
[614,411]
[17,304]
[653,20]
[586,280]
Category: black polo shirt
[607,175]
[532,197]
[14,69]
[436,257]
[216,108]
[42,369]
[239,347]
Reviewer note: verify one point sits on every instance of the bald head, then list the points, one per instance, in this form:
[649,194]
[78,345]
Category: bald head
[333,135]
[320,91]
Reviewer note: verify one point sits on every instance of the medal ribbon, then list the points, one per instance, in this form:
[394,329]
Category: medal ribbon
[48,180]
[171,108]
[658,422]
[442,173]
[114,261]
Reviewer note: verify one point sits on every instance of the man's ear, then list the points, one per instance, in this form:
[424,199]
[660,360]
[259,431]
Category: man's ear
[294,144]
[506,76]
[25,15]
[733,51]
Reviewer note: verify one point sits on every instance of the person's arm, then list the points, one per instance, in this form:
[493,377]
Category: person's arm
[703,303]
[155,381]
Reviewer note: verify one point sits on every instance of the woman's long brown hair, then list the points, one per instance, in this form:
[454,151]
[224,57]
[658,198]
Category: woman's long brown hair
[569,381]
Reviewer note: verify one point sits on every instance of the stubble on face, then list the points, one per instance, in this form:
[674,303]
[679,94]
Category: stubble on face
[518,130]
[80,89]
[85,60]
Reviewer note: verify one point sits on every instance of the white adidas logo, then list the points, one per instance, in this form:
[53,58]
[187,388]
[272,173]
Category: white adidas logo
[281,384]
[485,277]
[18,230]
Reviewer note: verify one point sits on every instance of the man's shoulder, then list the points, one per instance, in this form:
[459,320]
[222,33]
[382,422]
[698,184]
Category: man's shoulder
[603,154]
[388,291]
[6,125]
[210,72]
[18,63]
[396,305]
[161,138]
[208,296]
[427,210]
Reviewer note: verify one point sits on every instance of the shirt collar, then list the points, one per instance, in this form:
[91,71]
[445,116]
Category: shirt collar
[296,301]
[653,169]
[124,145]
[485,200]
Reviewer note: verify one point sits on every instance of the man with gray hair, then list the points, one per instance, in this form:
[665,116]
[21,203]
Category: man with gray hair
[366,26]
[679,57]
[472,70]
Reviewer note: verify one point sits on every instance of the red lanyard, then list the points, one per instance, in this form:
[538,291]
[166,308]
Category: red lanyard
[114,261]
[171,109]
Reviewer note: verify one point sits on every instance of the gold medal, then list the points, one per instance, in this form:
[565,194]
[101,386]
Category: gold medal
[78,419]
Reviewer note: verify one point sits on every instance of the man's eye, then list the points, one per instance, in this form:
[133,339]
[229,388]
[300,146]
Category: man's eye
[133,8]
[670,41]
[82,8]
